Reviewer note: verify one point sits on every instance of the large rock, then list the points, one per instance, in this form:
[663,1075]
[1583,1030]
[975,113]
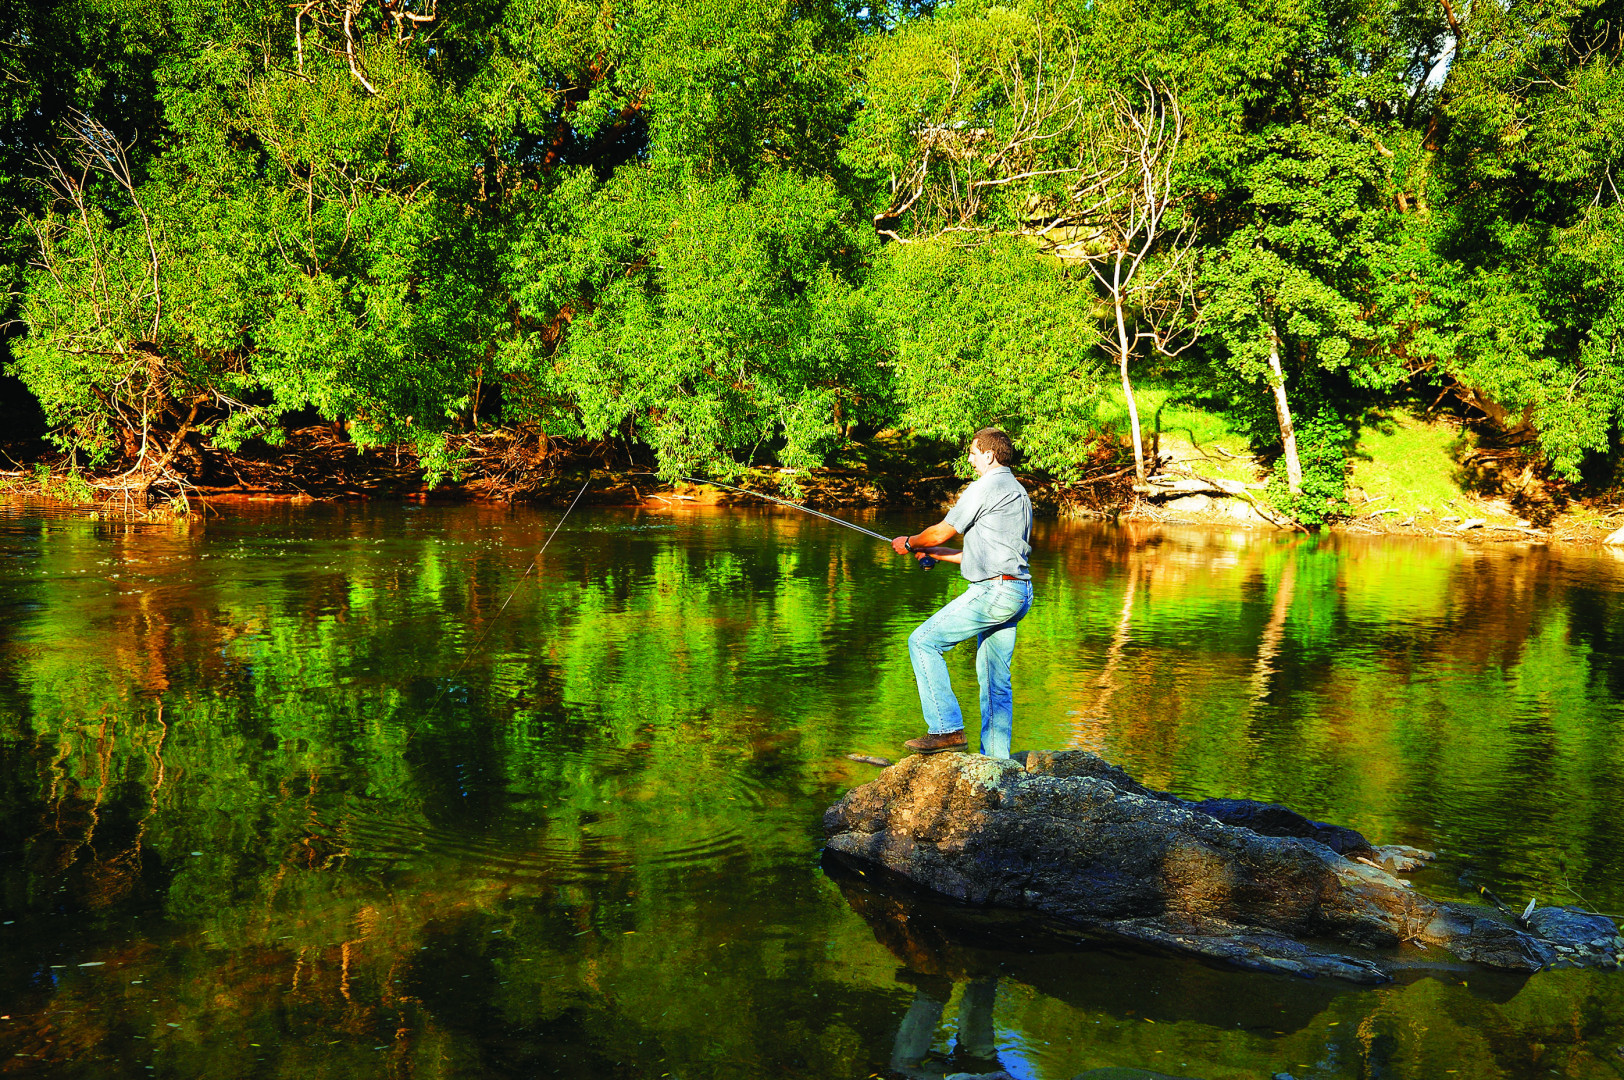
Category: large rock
[1267,819]
[1189,504]
[1070,836]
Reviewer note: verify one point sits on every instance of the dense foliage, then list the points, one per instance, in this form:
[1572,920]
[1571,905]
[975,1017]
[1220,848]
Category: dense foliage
[745,232]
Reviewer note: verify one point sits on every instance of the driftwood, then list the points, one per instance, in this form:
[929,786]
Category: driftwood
[1179,481]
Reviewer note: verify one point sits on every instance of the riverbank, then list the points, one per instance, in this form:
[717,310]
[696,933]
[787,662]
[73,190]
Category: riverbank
[319,462]
[1407,477]
[1473,521]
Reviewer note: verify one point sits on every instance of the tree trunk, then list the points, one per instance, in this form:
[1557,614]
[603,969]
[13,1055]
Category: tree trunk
[1123,352]
[1282,412]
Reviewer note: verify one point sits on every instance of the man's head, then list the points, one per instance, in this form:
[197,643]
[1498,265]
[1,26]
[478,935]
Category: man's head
[991,440]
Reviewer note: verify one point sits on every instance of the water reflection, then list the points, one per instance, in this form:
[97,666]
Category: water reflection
[938,939]
[975,1050]
[263,812]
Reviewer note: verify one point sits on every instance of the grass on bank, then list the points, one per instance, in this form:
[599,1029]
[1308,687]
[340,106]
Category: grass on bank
[1203,440]
[1407,463]
[1401,461]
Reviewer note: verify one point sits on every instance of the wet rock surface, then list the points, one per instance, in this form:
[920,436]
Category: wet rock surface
[1070,836]
[1578,936]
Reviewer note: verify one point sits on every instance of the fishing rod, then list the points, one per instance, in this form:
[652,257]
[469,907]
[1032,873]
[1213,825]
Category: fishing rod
[925,561]
[471,653]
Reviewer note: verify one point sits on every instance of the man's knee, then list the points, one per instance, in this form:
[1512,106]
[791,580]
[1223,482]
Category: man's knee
[922,640]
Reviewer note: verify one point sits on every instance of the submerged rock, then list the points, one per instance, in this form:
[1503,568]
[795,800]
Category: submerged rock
[1071,836]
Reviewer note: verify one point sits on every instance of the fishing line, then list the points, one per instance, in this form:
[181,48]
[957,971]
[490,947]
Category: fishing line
[925,563]
[492,625]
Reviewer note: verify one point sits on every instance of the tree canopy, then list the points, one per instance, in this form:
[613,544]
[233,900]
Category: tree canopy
[740,232]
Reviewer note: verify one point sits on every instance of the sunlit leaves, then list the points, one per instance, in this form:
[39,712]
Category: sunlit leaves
[658,223]
[708,317]
[993,336]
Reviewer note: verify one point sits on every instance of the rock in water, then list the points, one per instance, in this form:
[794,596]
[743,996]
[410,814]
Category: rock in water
[1267,819]
[1068,835]
[1580,937]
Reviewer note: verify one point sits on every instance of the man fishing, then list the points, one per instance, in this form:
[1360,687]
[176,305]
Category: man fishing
[994,515]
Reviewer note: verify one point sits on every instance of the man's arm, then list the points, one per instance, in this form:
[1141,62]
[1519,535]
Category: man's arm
[928,543]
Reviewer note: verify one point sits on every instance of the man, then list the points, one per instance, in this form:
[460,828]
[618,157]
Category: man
[994,515]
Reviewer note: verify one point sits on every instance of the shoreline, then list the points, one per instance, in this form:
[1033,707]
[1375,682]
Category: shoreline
[1186,487]
[1478,530]
[845,490]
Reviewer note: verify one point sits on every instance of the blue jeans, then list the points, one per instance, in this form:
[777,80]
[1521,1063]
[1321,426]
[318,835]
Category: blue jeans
[988,612]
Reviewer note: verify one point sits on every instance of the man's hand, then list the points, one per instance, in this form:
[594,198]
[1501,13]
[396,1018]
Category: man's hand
[900,545]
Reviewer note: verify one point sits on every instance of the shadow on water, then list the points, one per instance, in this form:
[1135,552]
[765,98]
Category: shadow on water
[933,939]
[1014,967]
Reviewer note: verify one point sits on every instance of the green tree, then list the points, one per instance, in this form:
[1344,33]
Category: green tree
[376,214]
[705,317]
[989,124]
[1528,252]
[995,334]
[1288,290]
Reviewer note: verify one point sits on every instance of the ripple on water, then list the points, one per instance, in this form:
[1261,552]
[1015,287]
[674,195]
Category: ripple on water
[597,851]
[401,845]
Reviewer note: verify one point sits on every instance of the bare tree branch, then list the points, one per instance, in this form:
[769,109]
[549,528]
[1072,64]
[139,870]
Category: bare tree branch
[345,27]
[957,161]
[1144,268]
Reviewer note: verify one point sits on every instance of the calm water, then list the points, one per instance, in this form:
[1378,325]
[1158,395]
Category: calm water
[255,822]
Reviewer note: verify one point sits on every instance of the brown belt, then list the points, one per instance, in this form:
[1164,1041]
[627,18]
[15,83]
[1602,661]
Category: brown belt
[1006,577]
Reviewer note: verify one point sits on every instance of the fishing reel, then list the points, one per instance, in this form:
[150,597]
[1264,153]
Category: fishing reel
[925,561]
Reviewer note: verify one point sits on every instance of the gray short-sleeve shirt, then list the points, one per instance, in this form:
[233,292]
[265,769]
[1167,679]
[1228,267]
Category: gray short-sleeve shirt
[994,515]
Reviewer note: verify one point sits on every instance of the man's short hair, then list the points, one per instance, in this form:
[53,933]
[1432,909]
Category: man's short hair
[994,440]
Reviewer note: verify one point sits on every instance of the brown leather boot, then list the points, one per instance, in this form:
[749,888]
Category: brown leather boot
[935,744]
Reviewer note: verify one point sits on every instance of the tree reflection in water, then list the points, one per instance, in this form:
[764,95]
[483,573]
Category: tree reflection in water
[223,790]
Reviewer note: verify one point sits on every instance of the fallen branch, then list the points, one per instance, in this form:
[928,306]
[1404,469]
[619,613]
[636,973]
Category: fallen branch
[1244,494]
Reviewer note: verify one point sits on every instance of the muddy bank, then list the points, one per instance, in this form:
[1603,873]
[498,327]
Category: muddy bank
[319,462]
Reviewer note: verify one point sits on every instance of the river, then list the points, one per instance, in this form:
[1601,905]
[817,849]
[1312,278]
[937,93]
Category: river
[291,793]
